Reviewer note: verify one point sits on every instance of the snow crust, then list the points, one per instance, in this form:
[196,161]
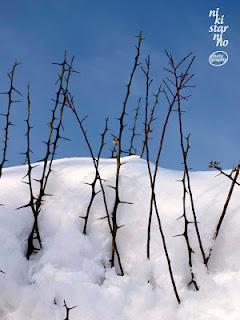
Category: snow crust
[75,267]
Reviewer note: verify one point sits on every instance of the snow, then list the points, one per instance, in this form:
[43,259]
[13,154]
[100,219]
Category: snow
[75,268]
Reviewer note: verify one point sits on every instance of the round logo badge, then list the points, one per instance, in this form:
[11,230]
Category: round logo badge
[218,58]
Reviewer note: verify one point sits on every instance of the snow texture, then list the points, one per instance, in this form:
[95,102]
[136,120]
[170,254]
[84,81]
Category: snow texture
[75,268]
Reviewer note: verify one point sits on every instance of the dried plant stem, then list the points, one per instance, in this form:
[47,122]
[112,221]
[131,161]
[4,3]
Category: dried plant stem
[80,122]
[132,149]
[7,115]
[185,233]
[122,125]
[55,124]
[180,84]
[233,177]
[149,120]
[68,309]
[153,202]
[95,179]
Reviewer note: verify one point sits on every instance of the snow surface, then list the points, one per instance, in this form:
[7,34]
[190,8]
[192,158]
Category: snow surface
[75,267]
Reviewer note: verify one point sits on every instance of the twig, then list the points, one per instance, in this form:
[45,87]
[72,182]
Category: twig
[180,85]
[153,202]
[153,176]
[100,180]
[216,165]
[68,309]
[185,233]
[235,173]
[7,115]
[132,150]
[117,200]
[150,119]
[114,148]
[55,124]
[96,178]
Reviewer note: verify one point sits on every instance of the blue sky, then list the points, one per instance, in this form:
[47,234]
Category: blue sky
[101,37]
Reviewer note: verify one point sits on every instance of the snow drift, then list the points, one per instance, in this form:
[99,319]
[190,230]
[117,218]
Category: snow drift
[75,268]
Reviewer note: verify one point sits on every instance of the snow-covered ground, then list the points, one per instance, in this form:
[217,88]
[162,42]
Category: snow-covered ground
[75,267]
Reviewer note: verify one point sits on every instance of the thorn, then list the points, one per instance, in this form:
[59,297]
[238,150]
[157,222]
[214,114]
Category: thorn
[102,218]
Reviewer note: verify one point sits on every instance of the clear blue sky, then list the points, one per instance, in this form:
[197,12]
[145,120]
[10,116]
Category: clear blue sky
[101,36]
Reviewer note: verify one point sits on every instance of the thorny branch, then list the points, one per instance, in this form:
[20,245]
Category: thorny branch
[132,149]
[55,125]
[7,115]
[216,165]
[122,125]
[149,120]
[180,82]
[80,122]
[185,233]
[233,176]
[171,102]
[96,178]
[153,202]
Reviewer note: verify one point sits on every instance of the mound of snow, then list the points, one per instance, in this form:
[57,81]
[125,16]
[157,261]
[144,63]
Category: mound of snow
[75,268]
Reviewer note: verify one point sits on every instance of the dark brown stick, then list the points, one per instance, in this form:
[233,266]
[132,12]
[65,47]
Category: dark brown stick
[153,202]
[117,200]
[114,148]
[95,180]
[133,150]
[180,84]
[68,309]
[7,115]
[153,176]
[36,202]
[150,119]
[216,165]
[225,207]
[185,233]
[80,122]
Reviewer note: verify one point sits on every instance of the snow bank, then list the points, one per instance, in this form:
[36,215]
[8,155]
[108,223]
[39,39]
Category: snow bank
[75,267]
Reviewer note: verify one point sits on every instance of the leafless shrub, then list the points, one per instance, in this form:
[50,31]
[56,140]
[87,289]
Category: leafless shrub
[34,243]
[95,163]
[132,149]
[152,178]
[180,82]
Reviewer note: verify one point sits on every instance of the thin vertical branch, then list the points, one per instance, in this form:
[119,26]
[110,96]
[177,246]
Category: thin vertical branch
[153,176]
[185,233]
[62,93]
[30,246]
[114,148]
[95,180]
[149,120]
[132,150]
[153,202]
[174,94]
[80,122]
[180,84]
[55,124]
[122,125]
[146,73]
[7,115]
